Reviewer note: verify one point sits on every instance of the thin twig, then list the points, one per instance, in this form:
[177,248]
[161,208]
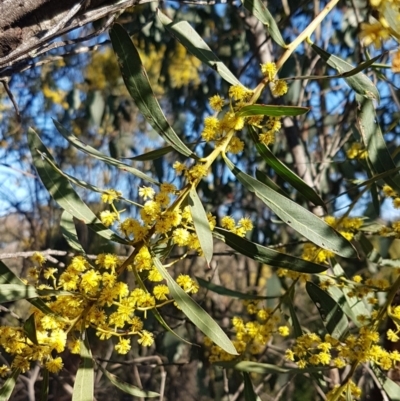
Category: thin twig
[12,98]
[11,313]
[281,390]
[49,253]
[64,21]
[238,392]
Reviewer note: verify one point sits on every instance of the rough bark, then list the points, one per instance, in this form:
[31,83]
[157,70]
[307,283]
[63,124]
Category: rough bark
[27,27]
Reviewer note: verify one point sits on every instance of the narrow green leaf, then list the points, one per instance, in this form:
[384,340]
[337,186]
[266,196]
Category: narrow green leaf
[68,231]
[359,82]
[266,255]
[331,313]
[8,386]
[271,110]
[153,155]
[349,73]
[53,293]
[14,292]
[378,153]
[156,312]
[297,217]
[370,181]
[77,143]
[389,11]
[286,173]
[44,391]
[363,65]
[83,184]
[195,312]
[219,289]
[63,193]
[30,328]
[138,85]
[260,11]
[8,277]
[390,263]
[368,248]
[84,379]
[249,393]
[265,368]
[351,306]
[373,189]
[349,397]
[392,389]
[126,387]
[41,305]
[295,321]
[189,38]
[262,177]
[201,225]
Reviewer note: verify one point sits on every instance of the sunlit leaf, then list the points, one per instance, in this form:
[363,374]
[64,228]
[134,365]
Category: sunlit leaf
[260,11]
[138,85]
[156,312]
[126,387]
[286,173]
[68,231]
[349,396]
[77,143]
[189,38]
[84,379]
[63,193]
[359,82]
[351,306]
[331,313]
[8,277]
[392,389]
[201,225]
[390,263]
[378,153]
[265,368]
[195,312]
[9,385]
[14,292]
[266,255]
[219,289]
[272,110]
[297,217]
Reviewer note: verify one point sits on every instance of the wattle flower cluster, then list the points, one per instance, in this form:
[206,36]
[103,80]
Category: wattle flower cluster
[251,337]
